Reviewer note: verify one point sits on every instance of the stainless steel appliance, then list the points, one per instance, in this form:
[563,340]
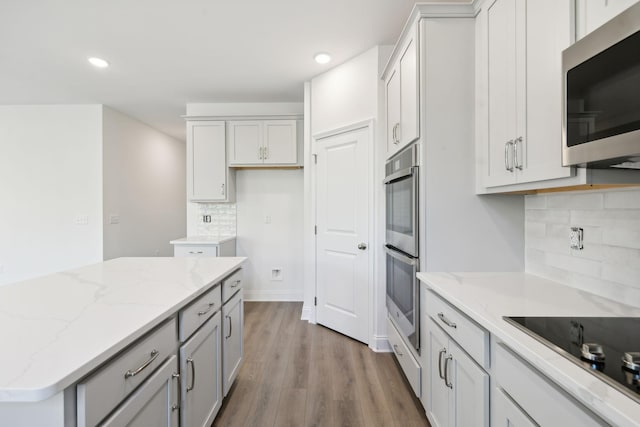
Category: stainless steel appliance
[601,102]
[608,347]
[403,297]
[401,182]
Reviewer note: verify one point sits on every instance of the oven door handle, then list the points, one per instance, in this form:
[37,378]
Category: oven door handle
[397,255]
[403,173]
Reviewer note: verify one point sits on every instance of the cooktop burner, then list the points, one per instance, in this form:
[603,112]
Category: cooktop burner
[608,347]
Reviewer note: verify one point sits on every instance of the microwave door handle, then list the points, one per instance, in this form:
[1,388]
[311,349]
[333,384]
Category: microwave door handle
[400,257]
[398,175]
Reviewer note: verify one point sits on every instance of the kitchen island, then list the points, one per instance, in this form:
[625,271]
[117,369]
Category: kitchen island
[516,362]
[58,329]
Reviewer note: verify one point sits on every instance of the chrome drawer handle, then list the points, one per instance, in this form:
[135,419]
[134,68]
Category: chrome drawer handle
[154,354]
[395,348]
[196,252]
[446,371]
[235,284]
[230,327]
[442,353]
[193,374]
[210,305]
[446,321]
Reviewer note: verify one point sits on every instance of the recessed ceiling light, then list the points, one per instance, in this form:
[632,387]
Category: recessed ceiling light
[322,58]
[98,62]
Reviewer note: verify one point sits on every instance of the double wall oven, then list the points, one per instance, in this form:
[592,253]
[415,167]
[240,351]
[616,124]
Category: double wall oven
[401,243]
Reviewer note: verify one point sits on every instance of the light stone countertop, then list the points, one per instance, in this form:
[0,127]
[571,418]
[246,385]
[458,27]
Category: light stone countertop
[56,329]
[202,240]
[486,297]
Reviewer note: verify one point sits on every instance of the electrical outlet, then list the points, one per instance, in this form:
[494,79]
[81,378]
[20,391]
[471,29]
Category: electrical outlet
[114,219]
[276,274]
[267,219]
[206,218]
[576,235]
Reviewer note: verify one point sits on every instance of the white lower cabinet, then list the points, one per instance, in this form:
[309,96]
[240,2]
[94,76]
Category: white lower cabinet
[458,387]
[200,372]
[155,403]
[507,413]
[535,395]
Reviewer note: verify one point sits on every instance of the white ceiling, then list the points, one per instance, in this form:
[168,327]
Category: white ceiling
[166,53]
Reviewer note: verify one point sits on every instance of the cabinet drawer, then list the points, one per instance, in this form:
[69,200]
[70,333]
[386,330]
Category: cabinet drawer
[409,365]
[467,333]
[542,400]
[100,393]
[231,285]
[195,250]
[198,312]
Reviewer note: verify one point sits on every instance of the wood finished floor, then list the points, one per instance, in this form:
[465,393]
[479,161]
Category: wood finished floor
[299,374]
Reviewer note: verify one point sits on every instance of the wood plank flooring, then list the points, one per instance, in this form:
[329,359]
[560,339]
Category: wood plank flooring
[299,374]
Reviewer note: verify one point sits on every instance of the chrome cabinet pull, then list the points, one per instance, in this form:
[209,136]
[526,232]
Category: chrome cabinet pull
[193,374]
[154,354]
[393,133]
[176,406]
[396,138]
[222,189]
[260,153]
[230,327]
[446,321]
[395,348]
[517,158]
[446,371]
[508,159]
[209,307]
[235,284]
[440,354]
[362,246]
[196,252]
[266,152]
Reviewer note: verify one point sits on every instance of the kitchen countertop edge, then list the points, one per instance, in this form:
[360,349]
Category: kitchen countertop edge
[463,290]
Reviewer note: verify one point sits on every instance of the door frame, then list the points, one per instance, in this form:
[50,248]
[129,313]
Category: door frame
[309,310]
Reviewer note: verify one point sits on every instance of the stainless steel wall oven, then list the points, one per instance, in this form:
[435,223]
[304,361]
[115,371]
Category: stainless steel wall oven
[402,243]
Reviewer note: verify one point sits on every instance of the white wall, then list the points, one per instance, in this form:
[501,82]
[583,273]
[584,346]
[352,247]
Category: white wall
[275,242]
[350,93]
[144,184]
[609,264]
[50,176]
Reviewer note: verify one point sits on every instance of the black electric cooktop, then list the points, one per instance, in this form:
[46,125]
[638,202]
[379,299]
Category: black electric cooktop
[608,347]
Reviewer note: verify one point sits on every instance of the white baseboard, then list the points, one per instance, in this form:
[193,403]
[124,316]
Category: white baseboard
[380,344]
[272,295]
[308,313]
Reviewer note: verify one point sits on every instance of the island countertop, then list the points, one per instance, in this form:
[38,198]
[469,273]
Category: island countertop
[57,328]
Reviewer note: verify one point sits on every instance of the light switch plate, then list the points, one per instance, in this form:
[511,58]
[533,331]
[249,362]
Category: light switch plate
[576,235]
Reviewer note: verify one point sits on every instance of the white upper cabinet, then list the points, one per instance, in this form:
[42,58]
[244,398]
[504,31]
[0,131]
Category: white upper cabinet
[208,177]
[590,14]
[263,142]
[519,90]
[402,100]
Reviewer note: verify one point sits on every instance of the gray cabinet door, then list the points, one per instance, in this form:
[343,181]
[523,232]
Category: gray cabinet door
[200,375]
[232,343]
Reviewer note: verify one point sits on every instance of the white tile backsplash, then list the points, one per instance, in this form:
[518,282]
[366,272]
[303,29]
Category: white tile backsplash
[609,264]
[223,219]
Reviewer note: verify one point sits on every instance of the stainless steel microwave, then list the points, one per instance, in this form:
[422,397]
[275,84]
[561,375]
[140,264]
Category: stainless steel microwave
[601,102]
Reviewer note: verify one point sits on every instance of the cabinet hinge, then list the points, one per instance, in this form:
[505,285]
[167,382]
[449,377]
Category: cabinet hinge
[315,300]
[315,159]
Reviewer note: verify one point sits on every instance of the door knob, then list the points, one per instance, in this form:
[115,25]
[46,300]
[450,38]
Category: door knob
[362,246]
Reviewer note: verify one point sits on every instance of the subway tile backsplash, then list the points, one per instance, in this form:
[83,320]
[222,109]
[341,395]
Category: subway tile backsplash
[609,263]
[223,219]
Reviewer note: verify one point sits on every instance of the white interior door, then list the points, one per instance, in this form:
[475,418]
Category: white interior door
[342,204]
